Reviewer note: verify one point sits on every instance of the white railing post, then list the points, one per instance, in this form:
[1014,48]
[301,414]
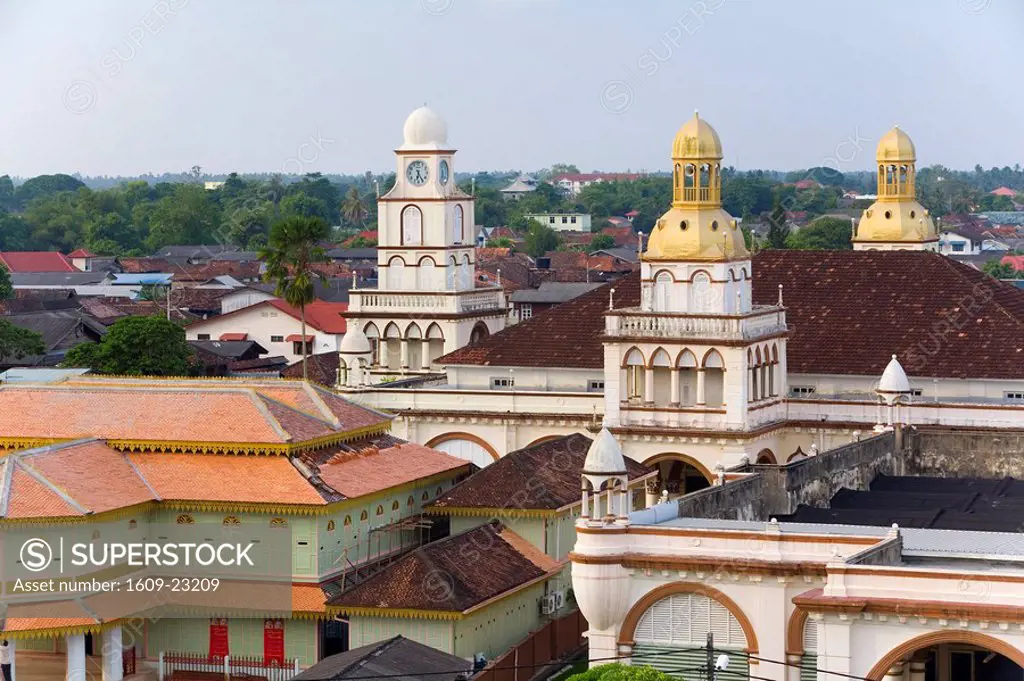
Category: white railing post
[160,668]
[296,666]
[227,668]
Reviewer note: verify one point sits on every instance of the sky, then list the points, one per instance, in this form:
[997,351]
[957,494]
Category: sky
[123,87]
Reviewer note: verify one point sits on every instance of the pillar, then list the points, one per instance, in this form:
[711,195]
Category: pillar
[112,653]
[700,387]
[75,644]
[384,359]
[674,397]
[405,353]
[895,673]
[425,349]
[793,666]
[648,385]
[11,646]
[917,668]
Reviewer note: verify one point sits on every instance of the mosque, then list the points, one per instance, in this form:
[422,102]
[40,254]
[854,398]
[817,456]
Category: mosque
[709,356]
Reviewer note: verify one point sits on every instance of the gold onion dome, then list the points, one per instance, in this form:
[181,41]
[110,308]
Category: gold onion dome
[896,145]
[696,227]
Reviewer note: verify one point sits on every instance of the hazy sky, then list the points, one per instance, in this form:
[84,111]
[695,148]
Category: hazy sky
[130,86]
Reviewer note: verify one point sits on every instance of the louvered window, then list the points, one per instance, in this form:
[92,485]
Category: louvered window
[809,660]
[686,619]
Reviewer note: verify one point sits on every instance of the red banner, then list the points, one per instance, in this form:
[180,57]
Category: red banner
[218,638]
[273,642]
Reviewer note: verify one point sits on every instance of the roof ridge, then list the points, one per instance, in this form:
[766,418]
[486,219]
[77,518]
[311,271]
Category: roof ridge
[993,284]
[44,481]
[5,485]
[378,649]
[259,401]
[142,477]
[324,409]
[285,405]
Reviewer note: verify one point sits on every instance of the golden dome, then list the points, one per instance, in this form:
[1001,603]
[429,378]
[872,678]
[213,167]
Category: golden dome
[896,222]
[896,145]
[696,140]
[694,233]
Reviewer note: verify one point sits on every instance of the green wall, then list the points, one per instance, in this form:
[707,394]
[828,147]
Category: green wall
[498,627]
[434,633]
[245,637]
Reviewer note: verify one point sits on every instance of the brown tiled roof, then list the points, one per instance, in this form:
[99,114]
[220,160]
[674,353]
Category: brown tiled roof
[545,476]
[452,575]
[848,312]
[145,265]
[323,368]
[375,468]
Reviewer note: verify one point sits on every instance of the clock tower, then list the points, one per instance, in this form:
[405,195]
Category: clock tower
[426,302]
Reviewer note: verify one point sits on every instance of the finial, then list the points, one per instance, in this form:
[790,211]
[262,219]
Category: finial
[472,187]
[780,295]
[353,278]
[896,127]
[696,113]
[894,356]
[611,299]
[376,185]
[499,276]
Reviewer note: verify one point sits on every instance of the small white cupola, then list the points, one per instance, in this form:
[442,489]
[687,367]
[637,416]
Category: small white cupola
[604,470]
[893,389]
[354,355]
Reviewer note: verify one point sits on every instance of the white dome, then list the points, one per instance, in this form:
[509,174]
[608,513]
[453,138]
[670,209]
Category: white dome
[425,130]
[894,378]
[604,456]
[354,342]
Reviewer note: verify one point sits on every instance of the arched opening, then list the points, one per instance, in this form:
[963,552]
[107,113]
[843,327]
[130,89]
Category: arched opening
[451,267]
[766,456]
[703,295]
[465,446]
[414,341]
[634,368]
[714,379]
[412,226]
[668,628]
[680,474]
[754,360]
[765,381]
[687,365]
[661,373]
[392,348]
[459,231]
[464,278]
[802,643]
[773,372]
[342,371]
[435,340]
[662,284]
[479,332]
[373,335]
[426,273]
[952,654]
[396,273]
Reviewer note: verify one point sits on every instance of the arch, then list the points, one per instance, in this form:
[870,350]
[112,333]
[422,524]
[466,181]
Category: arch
[975,638]
[412,332]
[766,456]
[686,359]
[633,357]
[459,231]
[757,357]
[434,332]
[542,440]
[410,502]
[689,460]
[795,632]
[479,332]
[396,272]
[426,259]
[660,358]
[662,281]
[392,331]
[465,446]
[798,455]
[628,630]
[712,360]
[412,226]
[426,279]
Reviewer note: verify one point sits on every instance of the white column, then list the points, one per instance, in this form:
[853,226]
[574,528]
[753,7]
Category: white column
[700,387]
[112,653]
[11,645]
[405,353]
[674,397]
[895,673]
[917,668]
[425,349]
[648,385]
[384,359]
[75,644]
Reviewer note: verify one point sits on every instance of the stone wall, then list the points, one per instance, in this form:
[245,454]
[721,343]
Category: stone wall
[961,454]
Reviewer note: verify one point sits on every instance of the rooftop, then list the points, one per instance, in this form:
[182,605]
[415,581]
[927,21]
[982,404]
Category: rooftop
[35,261]
[393,658]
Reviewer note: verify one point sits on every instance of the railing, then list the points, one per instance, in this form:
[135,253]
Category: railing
[178,666]
[439,302]
[637,323]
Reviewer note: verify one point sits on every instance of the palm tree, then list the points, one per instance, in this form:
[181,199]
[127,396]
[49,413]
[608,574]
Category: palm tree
[352,208]
[292,248]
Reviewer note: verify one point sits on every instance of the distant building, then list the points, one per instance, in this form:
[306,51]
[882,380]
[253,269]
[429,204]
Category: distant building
[35,261]
[528,302]
[572,183]
[212,186]
[563,222]
[519,188]
[1003,191]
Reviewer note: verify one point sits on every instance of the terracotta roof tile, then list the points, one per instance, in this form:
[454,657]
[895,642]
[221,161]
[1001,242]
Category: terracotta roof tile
[454,574]
[35,261]
[373,470]
[30,498]
[323,368]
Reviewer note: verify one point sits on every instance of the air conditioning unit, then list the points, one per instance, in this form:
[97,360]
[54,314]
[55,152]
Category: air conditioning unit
[559,598]
[547,605]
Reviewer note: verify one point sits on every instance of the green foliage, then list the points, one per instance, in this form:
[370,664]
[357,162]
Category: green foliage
[601,242]
[996,269]
[6,289]
[303,205]
[501,242]
[540,239]
[825,233]
[622,672]
[17,342]
[990,202]
[353,210]
[139,346]
[362,242]
[778,230]
[45,185]
[188,216]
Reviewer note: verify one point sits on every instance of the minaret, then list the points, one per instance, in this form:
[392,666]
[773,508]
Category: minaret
[426,302]
[896,221]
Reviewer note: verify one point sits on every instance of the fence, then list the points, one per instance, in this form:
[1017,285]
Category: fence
[175,666]
[128,662]
[557,638]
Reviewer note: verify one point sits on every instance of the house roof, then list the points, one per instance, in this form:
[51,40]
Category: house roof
[323,368]
[390,659]
[544,476]
[81,253]
[440,577]
[142,265]
[229,349]
[361,472]
[51,279]
[320,315]
[553,292]
[847,311]
[36,261]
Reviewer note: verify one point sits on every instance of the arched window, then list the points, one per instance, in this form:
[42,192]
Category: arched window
[364,516]
[425,496]
[634,374]
[412,226]
[662,282]
[459,230]
[395,505]
[278,522]
[232,520]
[396,273]
[331,525]
[347,522]
[380,509]
[425,274]
[410,502]
[464,280]
[185,519]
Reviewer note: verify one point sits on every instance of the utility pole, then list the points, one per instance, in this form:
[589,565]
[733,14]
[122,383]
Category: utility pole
[710,657]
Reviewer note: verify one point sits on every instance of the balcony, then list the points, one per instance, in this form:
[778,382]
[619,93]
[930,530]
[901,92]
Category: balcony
[763,320]
[446,302]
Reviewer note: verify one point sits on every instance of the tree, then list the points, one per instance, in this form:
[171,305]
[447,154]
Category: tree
[45,185]
[501,242]
[622,672]
[352,208]
[301,204]
[601,242]
[187,216]
[17,342]
[137,346]
[291,250]
[998,270]
[6,289]
[778,230]
[540,239]
[834,234]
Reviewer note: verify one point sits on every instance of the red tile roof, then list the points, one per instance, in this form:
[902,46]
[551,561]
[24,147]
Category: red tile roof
[1003,191]
[145,265]
[373,469]
[452,575]
[321,315]
[234,336]
[81,253]
[323,368]
[1015,261]
[35,261]
[848,312]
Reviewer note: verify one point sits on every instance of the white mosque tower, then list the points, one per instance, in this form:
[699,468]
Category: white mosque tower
[426,302]
[697,354]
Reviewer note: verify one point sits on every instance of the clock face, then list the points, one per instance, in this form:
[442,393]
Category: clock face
[417,173]
[444,171]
